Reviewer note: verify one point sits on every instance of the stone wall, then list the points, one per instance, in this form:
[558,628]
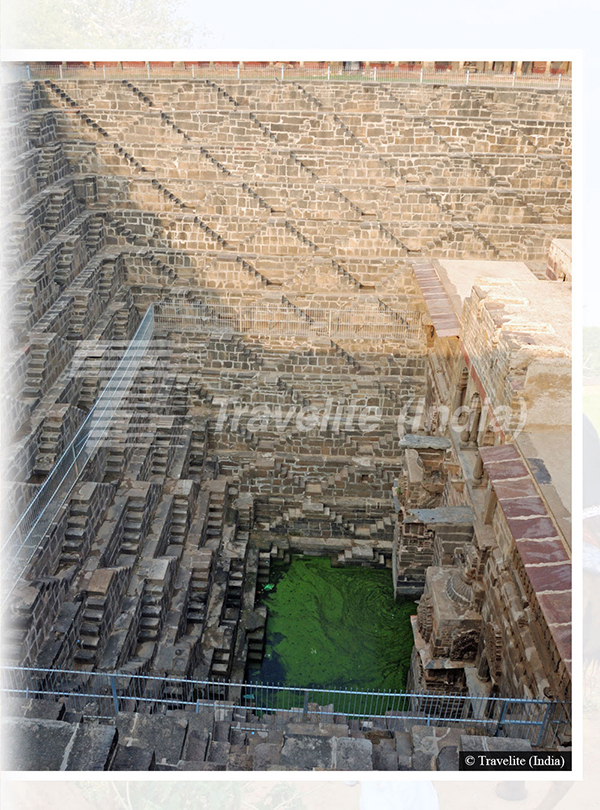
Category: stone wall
[313,197]
[523,366]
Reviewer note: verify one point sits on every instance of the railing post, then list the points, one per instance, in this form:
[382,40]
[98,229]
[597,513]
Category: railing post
[467,82]
[559,78]
[421,79]
[514,77]
[193,71]
[282,72]
[545,723]
[148,68]
[60,71]
[305,708]
[104,71]
[113,687]
[375,73]
[75,464]
[328,71]
[238,70]
[502,714]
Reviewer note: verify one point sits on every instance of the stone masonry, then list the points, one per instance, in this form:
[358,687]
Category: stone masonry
[322,208]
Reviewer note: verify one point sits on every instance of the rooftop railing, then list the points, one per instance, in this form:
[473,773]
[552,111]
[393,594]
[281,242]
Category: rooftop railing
[286,73]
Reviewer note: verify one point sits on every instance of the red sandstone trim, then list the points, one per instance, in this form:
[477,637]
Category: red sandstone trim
[542,558]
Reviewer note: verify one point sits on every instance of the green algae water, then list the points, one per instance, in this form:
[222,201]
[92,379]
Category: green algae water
[336,627]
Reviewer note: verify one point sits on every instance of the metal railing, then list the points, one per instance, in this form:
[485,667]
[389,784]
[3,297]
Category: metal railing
[105,694]
[288,72]
[280,320]
[26,537]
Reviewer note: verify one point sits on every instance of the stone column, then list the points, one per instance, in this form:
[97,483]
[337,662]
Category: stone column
[489,506]
[478,470]
[473,433]
[469,434]
[459,396]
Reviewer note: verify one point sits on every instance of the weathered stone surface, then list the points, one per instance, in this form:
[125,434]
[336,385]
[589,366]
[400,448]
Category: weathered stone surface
[35,745]
[304,753]
[385,757]
[93,748]
[479,743]
[218,752]
[413,441]
[265,755]
[353,755]
[447,759]
[166,735]
[458,515]
[42,709]
[196,745]
[133,758]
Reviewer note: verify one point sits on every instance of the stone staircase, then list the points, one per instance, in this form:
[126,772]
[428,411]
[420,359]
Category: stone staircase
[221,195]
[199,588]
[103,594]
[217,506]
[224,739]
[48,356]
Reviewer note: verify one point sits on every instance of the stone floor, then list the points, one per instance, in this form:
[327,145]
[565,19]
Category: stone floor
[41,736]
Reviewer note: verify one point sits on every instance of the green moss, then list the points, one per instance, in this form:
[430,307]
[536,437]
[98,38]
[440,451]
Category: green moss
[336,627]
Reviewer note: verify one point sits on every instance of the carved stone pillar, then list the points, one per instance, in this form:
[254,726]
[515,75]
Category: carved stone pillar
[490,506]
[478,470]
[459,395]
[474,432]
[469,434]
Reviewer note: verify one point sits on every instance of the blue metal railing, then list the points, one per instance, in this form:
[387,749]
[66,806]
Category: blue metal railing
[105,694]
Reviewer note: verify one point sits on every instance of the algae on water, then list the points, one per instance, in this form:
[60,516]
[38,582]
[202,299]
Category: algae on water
[336,627]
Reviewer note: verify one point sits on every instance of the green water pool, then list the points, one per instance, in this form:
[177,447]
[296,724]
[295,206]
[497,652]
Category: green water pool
[335,627]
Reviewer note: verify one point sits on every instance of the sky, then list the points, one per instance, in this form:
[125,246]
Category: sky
[396,24]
